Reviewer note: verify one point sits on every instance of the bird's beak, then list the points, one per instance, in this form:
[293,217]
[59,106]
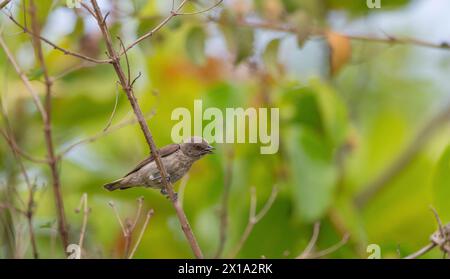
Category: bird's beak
[210,149]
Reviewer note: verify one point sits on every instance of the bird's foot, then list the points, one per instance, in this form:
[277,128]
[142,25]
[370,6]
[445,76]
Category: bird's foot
[167,179]
[166,194]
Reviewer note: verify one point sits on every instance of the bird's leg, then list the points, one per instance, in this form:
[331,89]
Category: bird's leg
[159,178]
[164,193]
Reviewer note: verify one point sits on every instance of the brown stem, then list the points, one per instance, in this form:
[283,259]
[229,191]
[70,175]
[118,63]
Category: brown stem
[315,235]
[53,162]
[319,32]
[421,252]
[99,135]
[63,50]
[144,227]
[29,215]
[126,86]
[83,206]
[330,249]
[155,29]
[4,3]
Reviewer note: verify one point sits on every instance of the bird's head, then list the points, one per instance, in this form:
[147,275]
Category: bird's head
[196,147]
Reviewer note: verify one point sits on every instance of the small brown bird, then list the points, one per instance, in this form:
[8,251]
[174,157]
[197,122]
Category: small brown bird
[177,159]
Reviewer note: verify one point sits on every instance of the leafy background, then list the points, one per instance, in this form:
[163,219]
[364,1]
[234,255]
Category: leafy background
[348,109]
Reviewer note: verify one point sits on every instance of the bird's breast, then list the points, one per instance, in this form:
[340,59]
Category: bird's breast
[177,165]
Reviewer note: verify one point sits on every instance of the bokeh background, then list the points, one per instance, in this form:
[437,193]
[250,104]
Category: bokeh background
[349,109]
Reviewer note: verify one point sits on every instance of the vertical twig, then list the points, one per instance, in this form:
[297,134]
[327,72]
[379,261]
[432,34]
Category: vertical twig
[138,212]
[312,242]
[125,228]
[83,206]
[128,227]
[126,86]
[53,162]
[144,227]
[29,215]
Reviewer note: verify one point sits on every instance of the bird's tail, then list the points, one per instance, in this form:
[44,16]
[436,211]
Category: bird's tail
[115,185]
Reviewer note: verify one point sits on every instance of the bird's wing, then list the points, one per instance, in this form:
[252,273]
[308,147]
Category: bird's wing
[163,152]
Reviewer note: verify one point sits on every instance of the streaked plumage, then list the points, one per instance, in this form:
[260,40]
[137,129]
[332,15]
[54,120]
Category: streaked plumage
[177,159]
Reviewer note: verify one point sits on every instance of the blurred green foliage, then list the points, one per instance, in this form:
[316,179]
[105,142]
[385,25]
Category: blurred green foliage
[337,134]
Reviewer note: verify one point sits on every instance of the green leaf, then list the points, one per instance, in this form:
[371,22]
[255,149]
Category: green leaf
[270,56]
[333,112]
[441,186]
[195,45]
[313,174]
[35,74]
[47,225]
[239,40]
[244,40]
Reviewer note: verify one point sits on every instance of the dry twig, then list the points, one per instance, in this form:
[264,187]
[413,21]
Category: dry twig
[129,226]
[83,206]
[440,238]
[254,217]
[53,162]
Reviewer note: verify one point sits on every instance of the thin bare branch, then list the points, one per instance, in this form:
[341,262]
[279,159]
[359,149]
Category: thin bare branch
[83,64]
[83,206]
[203,11]
[267,205]
[148,135]
[254,217]
[116,213]
[4,3]
[53,163]
[101,134]
[438,220]
[20,151]
[89,10]
[331,249]
[24,78]
[389,39]
[55,46]
[144,227]
[173,14]
[421,252]
[113,113]
[312,242]
[138,212]
[437,239]
[30,217]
